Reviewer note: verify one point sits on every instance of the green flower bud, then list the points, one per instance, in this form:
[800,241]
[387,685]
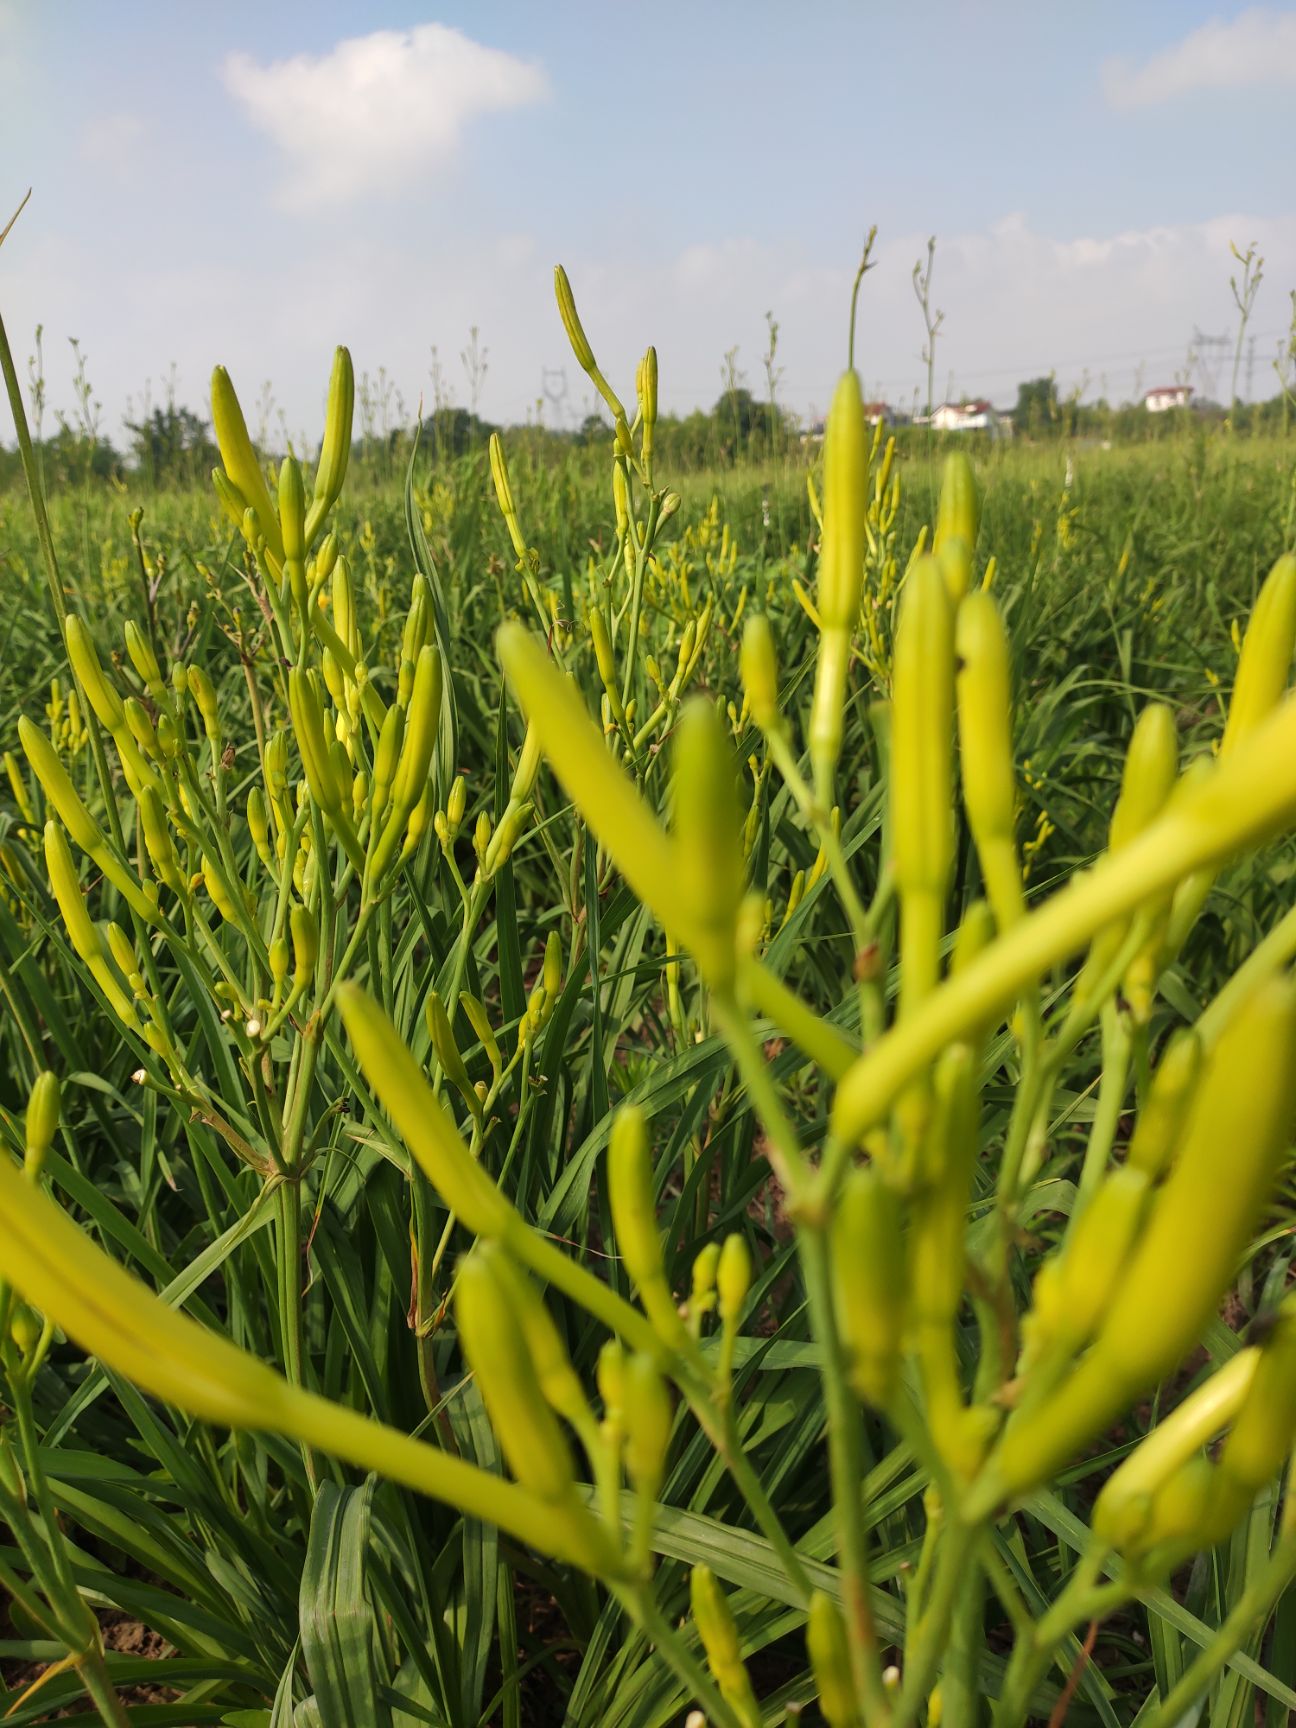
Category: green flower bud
[830,1661]
[733,1278]
[43,1110]
[495,1346]
[634,1219]
[646,1410]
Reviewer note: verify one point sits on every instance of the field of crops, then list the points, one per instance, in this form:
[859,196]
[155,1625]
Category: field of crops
[721,1147]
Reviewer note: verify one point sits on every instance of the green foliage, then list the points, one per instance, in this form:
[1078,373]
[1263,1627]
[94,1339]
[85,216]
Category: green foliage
[256,1180]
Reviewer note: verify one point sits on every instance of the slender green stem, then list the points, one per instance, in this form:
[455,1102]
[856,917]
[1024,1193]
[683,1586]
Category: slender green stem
[846,1470]
[640,1604]
[1116,1053]
[1251,1609]
[931,1635]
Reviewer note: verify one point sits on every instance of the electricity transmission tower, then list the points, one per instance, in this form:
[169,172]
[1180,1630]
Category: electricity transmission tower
[553,381]
[1208,369]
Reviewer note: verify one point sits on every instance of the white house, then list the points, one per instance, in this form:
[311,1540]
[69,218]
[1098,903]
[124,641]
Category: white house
[976,416]
[1167,396]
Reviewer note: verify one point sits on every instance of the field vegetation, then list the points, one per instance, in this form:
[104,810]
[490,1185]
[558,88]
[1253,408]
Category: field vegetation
[646,1073]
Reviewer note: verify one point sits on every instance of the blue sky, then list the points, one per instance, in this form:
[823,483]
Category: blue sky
[252,183]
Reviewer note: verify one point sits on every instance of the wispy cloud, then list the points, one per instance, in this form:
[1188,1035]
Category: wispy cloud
[1258,47]
[376,112]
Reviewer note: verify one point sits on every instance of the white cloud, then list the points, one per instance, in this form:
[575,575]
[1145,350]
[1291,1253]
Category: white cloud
[376,112]
[1258,47]
[1115,308]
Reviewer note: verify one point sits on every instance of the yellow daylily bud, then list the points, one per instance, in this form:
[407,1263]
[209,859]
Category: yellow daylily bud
[558,1381]
[1265,1429]
[292,510]
[482,836]
[422,1121]
[219,894]
[335,449]
[232,501]
[646,1411]
[648,387]
[304,929]
[648,405]
[344,613]
[58,788]
[958,521]
[280,958]
[986,750]
[1151,768]
[937,1259]
[552,969]
[841,573]
[504,494]
[1266,657]
[89,675]
[258,821]
[920,775]
[322,564]
[512,826]
[122,951]
[420,729]
[158,843]
[708,843]
[702,1295]
[733,1278]
[241,465]
[758,666]
[634,1219]
[480,1023]
[418,622]
[1122,1506]
[584,353]
[602,792]
[443,1042]
[1180,1509]
[869,1276]
[307,711]
[1156,1133]
[830,1661]
[391,740]
[1097,1251]
[44,1104]
[494,1344]
[602,648]
[204,694]
[846,458]
[82,934]
[528,766]
[714,1620]
[18,786]
[141,728]
[144,660]
[610,1374]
